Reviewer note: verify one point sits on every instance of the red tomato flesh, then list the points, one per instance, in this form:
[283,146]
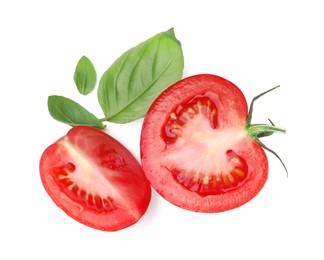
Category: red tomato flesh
[195,150]
[95,179]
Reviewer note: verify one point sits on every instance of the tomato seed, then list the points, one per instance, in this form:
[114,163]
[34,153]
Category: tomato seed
[184,113]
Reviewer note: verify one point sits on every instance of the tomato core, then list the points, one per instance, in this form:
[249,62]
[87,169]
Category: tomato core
[196,119]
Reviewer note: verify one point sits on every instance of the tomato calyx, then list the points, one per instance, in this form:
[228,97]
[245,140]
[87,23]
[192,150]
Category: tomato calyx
[257,131]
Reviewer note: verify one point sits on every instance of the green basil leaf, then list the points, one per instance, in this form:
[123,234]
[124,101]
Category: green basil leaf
[69,112]
[135,79]
[85,76]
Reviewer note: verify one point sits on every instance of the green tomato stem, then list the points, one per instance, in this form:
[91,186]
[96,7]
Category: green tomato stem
[257,131]
[261,130]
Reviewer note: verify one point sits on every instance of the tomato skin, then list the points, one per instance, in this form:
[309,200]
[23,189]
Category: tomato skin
[157,147]
[89,153]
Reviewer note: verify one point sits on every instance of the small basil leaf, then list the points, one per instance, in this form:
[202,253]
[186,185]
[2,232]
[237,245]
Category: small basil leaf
[85,76]
[69,112]
[135,79]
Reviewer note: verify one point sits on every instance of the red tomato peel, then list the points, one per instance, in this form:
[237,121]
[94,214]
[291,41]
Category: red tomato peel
[95,179]
[199,149]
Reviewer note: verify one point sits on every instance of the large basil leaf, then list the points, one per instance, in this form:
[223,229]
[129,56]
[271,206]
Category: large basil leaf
[134,80]
[69,112]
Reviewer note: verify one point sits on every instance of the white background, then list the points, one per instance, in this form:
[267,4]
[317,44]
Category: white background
[255,44]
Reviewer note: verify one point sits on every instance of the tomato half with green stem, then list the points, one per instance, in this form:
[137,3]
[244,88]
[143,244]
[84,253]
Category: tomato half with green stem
[95,180]
[199,149]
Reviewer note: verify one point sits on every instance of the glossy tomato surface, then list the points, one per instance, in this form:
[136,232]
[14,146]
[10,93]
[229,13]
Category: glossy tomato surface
[95,179]
[195,150]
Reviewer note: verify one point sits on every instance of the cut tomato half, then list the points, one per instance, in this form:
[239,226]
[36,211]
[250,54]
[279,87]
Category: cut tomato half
[95,179]
[196,150]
